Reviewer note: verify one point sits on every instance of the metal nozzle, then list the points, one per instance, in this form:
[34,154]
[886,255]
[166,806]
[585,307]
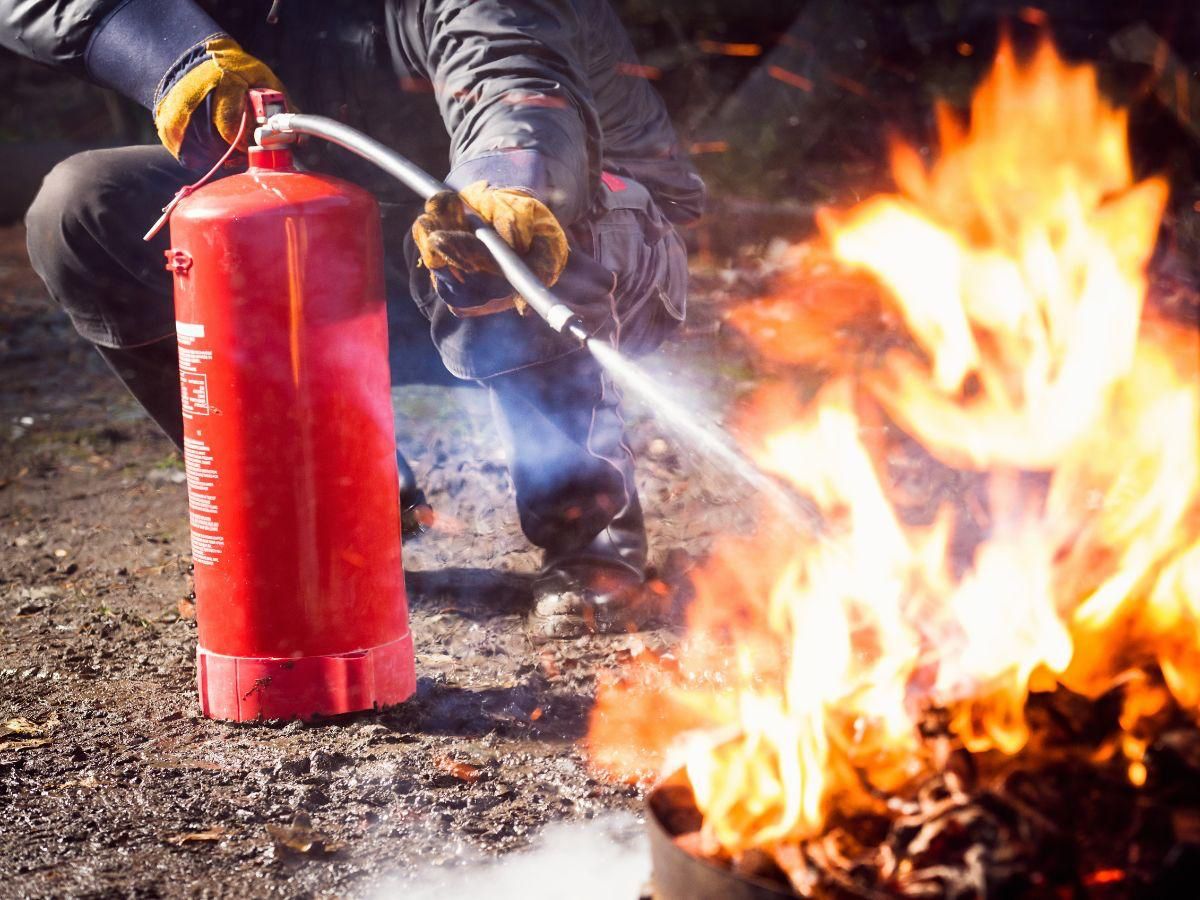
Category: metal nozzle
[564,320]
[576,329]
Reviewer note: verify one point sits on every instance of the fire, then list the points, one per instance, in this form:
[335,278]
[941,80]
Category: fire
[1015,359]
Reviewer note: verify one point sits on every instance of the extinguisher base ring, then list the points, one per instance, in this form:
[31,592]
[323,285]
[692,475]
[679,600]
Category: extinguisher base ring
[249,688]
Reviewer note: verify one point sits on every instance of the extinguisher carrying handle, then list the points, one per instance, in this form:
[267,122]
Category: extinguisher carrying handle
[280,128]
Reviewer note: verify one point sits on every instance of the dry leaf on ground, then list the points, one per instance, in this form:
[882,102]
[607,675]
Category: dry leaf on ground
[209,835]
[301,837]
[460,770]
[20,726]
[23,745]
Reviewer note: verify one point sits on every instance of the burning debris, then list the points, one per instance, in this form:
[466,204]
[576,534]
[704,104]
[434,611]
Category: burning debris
[1061,820]
[982,679]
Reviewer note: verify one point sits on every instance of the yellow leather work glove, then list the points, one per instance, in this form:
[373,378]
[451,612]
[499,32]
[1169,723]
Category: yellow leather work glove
[228,73]
[448,245]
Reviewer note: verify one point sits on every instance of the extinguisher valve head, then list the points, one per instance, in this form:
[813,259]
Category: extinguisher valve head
[276,133]
[270,138]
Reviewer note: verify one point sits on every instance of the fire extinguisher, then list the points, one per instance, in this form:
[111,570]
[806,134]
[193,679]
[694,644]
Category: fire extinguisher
[289,445]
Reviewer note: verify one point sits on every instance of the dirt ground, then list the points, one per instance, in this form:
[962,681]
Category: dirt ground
[111,783]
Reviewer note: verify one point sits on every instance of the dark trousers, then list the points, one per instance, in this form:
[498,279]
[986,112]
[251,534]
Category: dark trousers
[560,419]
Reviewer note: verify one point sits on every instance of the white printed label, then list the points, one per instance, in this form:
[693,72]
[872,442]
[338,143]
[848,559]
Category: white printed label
[195,394]
[207,542]
[189,329]
[202,476]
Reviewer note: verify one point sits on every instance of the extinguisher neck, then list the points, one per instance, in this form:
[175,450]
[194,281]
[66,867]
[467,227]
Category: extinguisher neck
[271,159]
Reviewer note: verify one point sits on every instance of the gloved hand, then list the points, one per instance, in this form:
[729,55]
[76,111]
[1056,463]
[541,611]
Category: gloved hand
[199,111]
[464,273]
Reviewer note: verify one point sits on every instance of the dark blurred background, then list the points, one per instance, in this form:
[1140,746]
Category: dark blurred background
[786,105]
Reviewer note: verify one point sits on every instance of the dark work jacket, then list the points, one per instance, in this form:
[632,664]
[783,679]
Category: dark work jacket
[542,95]
[538,94]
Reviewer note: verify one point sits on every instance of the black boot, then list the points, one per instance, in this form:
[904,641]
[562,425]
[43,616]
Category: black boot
[600,588]
[573,474]
[416,515]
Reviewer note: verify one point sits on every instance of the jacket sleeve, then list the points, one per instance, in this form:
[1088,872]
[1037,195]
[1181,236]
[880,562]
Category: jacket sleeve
[512,90]
[55,32]
[128,45]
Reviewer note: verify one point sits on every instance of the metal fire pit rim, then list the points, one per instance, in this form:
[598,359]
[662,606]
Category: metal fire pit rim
[679,875]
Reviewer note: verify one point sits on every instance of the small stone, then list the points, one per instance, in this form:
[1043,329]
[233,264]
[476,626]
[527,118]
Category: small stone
[324,761]
[313,798]
[296,766]
[169,476]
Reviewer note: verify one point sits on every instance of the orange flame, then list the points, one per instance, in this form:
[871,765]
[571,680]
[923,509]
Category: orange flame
[1012,354]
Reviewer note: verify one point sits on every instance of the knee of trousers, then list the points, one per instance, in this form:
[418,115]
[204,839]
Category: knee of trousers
[80,235]
[55,223]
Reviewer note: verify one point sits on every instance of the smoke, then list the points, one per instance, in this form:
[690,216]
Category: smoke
[605,859]
[707,438]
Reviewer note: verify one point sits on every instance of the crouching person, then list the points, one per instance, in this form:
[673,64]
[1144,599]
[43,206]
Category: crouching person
[570,157]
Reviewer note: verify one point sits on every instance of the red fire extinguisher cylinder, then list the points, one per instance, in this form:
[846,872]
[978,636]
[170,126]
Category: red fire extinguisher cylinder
[289,445]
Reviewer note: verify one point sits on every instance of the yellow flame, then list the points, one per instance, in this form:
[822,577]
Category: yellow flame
[1012,274]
